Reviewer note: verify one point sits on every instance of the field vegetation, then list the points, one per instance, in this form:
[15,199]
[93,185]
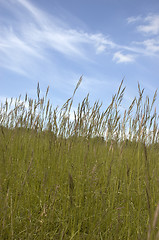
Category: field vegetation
[95,176]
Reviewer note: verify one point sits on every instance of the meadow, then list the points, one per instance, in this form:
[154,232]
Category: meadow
[95,176]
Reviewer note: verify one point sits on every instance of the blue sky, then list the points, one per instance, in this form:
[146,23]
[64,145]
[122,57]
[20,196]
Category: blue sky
[54,42]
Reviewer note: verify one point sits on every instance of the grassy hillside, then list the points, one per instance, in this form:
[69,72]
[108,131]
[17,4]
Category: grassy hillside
[94,177]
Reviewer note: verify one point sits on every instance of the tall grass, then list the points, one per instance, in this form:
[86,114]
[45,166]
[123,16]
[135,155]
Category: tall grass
[91,177]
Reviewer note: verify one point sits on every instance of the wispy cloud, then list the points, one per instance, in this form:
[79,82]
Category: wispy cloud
[101,42]
[152,45]
[119,57]
[133,19]
[36,32]
[148,47]
[34,35]
[150,26]
[57,35]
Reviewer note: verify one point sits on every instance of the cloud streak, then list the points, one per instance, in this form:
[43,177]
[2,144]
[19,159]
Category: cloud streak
[133,19]
[150,26]
[34,34]
[119,57]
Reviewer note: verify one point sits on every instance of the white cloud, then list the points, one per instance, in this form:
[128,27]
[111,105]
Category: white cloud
[151,25]
[100,49]
[152,45]
[148,47]
[36,32]
[133,19]
[121,58]
[101,42]
[10,41]
[16,54]
[33,34]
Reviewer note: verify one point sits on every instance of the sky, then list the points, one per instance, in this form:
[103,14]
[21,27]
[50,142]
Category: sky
[54,42]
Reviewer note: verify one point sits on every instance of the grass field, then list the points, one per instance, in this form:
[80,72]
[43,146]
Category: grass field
[94,177]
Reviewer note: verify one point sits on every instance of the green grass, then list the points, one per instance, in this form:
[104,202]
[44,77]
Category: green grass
[95,177]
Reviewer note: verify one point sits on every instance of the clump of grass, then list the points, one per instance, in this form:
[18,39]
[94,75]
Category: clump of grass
[93,177]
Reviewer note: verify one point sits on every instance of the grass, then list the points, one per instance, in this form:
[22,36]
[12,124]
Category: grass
[94,177]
